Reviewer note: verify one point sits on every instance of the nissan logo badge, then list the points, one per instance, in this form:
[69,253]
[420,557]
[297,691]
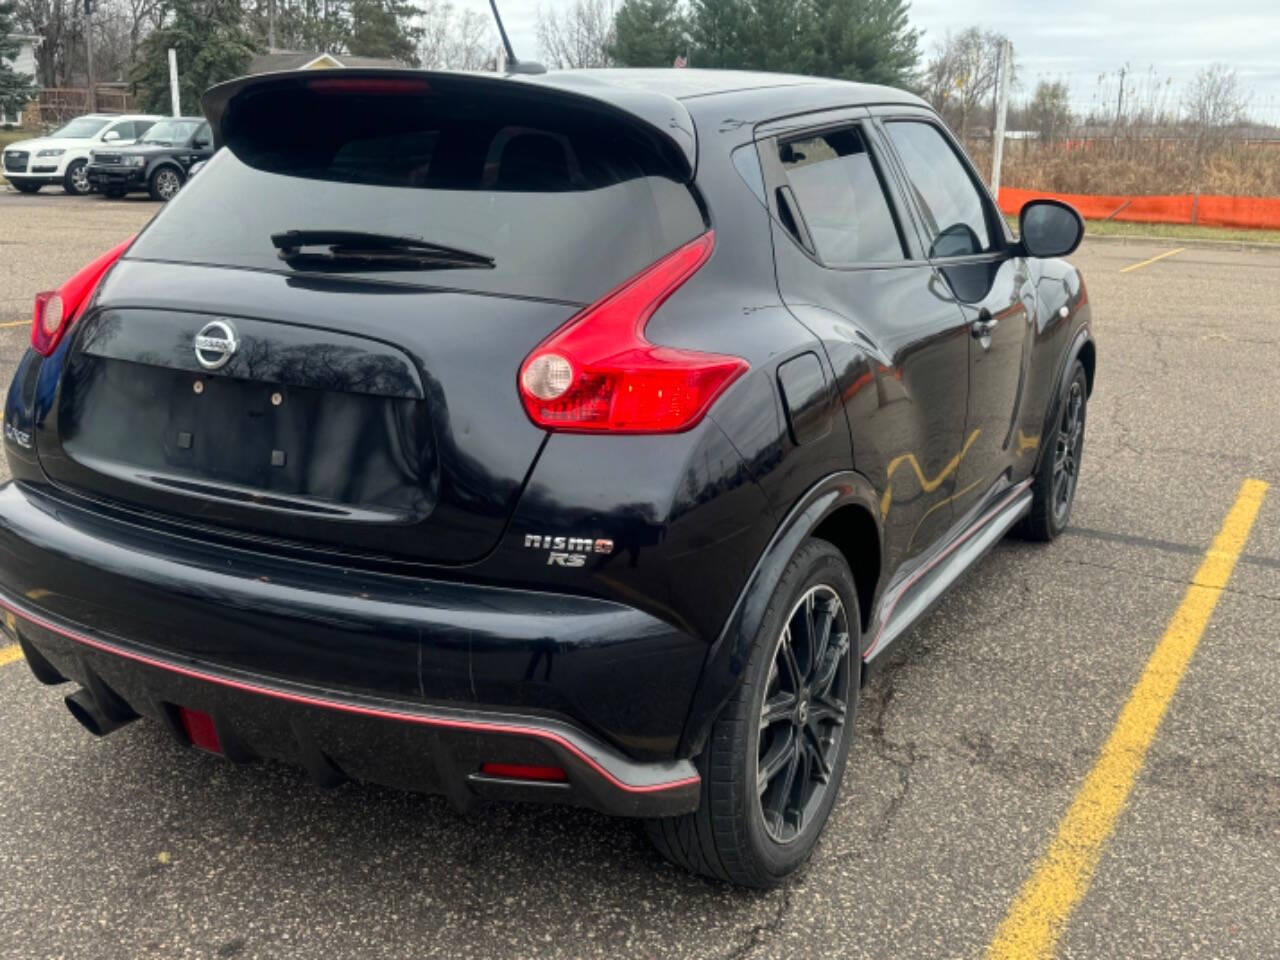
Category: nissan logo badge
[215,344]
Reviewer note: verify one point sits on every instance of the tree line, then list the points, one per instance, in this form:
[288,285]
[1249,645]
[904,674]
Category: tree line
[866,40]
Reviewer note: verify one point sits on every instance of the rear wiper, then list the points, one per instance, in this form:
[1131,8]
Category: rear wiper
[344,249]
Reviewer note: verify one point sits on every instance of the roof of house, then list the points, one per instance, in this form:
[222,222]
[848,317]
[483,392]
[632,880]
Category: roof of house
[299,60]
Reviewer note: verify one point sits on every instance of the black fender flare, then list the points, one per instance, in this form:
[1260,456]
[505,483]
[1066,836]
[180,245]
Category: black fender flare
[728,654]
[1082,336]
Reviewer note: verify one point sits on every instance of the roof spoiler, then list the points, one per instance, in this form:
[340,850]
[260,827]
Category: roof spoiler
[659,117]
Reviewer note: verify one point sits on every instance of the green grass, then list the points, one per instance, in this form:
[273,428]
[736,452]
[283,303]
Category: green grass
[1171,231]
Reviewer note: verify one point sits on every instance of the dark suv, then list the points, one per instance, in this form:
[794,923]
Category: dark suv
[158,163]
[574,438]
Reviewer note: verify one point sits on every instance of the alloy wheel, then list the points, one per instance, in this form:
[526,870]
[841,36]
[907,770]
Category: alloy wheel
[80,178]
[1067,449]
[803,713]
[167,184]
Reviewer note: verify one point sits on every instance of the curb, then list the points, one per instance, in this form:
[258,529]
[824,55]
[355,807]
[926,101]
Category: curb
[1125,238]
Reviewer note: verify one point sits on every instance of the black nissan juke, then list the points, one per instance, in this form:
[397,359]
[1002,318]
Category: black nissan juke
[581,437]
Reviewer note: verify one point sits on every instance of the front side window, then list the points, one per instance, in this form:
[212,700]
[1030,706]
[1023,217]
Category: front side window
[82,128]
[171,133]
[841,197]
[955,219]
[123,131]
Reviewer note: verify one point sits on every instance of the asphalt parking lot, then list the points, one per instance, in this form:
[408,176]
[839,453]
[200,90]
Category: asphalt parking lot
[975,744]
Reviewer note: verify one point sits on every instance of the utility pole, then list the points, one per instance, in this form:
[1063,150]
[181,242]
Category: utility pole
[1002,110]
[1120,98]
[88,55]
[174,100]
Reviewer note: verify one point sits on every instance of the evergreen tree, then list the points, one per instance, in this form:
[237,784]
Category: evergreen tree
[383,28]
[648,33]
[16,89]
[719,30]
[212,45]
[867,40]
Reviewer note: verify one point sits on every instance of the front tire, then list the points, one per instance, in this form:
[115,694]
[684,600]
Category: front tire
[164,184]
[1056,478]
[76,180]
[774,760]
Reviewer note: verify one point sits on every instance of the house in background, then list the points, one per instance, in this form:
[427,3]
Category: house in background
[25,62]
[292,60]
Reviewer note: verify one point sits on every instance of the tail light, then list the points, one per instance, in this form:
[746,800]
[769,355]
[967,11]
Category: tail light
[57,310]
[598,373]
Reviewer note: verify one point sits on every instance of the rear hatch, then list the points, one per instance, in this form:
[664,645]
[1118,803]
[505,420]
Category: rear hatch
[317,341]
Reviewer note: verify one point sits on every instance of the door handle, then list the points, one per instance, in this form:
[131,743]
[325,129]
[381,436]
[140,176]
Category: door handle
[985,324]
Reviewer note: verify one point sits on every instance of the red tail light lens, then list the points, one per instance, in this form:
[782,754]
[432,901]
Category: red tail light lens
[598,373]
[523,771]
[57,310]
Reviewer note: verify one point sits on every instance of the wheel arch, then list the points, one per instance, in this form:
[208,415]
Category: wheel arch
[161,163]
[843,509]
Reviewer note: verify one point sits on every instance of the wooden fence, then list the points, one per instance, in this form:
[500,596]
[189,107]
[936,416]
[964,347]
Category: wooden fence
[56,105]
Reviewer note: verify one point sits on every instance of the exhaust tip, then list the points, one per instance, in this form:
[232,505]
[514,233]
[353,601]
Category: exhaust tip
[92,717]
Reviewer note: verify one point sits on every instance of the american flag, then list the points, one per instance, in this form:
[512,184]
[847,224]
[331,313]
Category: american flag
[681,62]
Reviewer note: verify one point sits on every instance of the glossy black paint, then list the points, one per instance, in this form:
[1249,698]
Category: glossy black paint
[883,409]
[107,170]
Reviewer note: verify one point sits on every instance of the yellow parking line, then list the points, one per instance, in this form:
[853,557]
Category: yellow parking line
[10,653]
[16,323]
[1145,263]
[1039,913]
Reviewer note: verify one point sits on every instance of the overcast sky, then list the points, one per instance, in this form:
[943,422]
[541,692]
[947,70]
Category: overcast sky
[1076,40]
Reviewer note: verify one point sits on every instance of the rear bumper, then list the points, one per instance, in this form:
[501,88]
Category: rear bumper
[391,679]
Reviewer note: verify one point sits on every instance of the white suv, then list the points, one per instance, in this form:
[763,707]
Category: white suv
[62,156]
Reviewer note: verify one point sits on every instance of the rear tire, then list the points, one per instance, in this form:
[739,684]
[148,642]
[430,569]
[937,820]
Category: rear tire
[164,184]
[1056,477]
[76,181]
[27,187]
[770,778]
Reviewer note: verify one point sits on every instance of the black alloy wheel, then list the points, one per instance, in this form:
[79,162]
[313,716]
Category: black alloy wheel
[805,705]
[1066,453]
[1058,472]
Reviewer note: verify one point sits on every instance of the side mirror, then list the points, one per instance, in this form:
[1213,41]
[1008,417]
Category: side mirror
[111,136]
[1049,228]
[199,144]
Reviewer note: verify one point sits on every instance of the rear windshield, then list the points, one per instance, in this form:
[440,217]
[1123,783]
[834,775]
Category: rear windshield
[558,201]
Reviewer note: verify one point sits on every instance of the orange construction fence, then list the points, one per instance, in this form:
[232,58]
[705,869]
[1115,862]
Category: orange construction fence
[1208,211]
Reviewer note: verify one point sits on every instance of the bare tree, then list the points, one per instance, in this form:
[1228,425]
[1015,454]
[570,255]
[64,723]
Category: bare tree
[1215,103]
[579,37]
[1049,112]
[962,74]
[454,39]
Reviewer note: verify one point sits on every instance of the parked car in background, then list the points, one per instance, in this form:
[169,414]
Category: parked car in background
[158,163]
[549,439]
[63,156]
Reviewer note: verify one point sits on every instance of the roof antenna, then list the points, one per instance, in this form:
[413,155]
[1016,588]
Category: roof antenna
[513,65]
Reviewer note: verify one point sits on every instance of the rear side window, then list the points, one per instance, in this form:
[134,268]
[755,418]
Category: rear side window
[562,201]
[841,198]
[955,217]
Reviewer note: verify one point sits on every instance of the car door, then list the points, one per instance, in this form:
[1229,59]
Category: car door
[850,267]
[967,243]
[199,147]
